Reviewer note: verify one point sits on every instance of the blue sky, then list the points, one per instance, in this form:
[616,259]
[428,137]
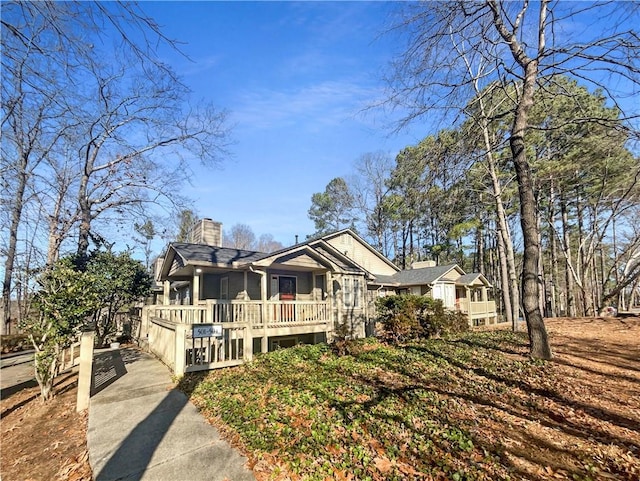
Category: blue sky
[294,77]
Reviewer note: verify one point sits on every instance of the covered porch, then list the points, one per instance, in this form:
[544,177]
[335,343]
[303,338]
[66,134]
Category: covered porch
[220,306]
[472,298]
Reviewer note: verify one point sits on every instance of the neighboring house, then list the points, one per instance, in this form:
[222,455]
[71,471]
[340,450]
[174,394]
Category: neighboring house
[467,293]
[256,302]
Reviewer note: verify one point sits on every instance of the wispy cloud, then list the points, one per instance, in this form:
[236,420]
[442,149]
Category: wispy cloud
[325,103]
[200,65]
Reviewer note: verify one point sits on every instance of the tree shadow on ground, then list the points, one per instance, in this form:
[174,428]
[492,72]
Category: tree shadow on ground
[110,365]
[32,383]
[555,420]
[440,417]
[133,456]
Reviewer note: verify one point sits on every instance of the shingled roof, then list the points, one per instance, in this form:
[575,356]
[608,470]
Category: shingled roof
[423,275]
[469,279]
[199,253]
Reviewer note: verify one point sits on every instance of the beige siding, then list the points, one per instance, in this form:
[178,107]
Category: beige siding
[299,260]
[175,265]
[452,275]
[207,232]
[361,254]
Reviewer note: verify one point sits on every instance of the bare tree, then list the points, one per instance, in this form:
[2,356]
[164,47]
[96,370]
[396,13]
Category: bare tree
[92,142]
[370,190]
[241,236]
[524,46]
[32,88]
[138,123]
[266,243]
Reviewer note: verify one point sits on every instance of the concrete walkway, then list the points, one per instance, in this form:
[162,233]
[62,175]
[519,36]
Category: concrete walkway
[140,428]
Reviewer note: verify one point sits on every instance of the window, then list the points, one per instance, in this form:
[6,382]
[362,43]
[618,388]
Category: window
[351,292]
[356,293]
[346,291]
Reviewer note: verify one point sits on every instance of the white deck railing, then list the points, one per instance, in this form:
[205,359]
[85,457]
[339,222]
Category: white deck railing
[477,309]
[276,313]
[170,329]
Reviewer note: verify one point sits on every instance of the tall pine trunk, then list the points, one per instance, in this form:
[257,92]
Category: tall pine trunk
[538,338]
[569,287]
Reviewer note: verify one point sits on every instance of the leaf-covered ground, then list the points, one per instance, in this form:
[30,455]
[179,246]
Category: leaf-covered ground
[474,407]
[44,441]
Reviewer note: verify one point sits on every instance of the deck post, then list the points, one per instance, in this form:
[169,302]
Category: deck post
[264,343]
[248,342]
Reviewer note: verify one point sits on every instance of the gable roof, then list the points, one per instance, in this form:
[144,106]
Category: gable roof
[424,275]
[363,242]
[321,253]
[181,254]
[475,278]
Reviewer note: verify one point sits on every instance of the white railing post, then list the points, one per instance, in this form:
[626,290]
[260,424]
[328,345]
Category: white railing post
[85,371]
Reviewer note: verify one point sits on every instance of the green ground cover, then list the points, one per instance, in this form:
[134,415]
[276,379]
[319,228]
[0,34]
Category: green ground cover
[457,409]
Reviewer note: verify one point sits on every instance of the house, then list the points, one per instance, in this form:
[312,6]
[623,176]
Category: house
[467,293]
[217,306]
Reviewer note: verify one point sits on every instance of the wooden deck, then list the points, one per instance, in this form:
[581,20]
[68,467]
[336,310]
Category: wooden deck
[218,334]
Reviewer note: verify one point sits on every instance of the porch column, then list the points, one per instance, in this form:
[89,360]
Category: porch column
[248,333]
[264,345]
[196,288]
[329,286]
[166,290]
[484,300]
[468,307]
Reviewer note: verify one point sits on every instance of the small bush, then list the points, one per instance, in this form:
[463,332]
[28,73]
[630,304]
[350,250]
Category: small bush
[439,321]
[343,339]
[407,317]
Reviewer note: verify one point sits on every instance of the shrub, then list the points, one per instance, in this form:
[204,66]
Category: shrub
[400,317]
[407,317]
[343,338]
[64,300]
[439,321]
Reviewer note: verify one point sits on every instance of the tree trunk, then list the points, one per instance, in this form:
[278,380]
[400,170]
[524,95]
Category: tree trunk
[554,252]
[85,215]
[538,338]
[510,294]
[580,264]
[16,215]
[46,370]
[505,284]
[569,287]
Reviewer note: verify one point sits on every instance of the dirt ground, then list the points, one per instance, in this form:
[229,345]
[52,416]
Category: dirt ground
[44,441]
[598,359]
